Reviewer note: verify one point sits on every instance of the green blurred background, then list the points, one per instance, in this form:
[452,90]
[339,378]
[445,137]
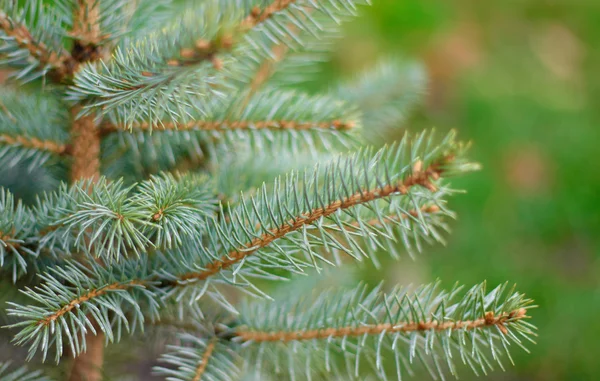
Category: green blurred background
[521,79]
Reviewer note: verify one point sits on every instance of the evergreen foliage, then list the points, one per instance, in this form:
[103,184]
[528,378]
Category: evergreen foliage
[200,175]
[20,374]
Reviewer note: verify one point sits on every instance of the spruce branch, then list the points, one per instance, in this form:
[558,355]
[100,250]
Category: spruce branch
[27,49]
[68,316]
[426,324]
[488,320]
[203,125]
[272,122]
[36,138]
[137,89]
[299,217]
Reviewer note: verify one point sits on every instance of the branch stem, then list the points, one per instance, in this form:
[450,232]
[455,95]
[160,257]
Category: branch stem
[487,321]
[205,358]
[28,142]
[88,365]
[226,125]
[85,146]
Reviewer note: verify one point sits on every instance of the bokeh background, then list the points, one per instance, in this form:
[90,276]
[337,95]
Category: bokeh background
[521,79]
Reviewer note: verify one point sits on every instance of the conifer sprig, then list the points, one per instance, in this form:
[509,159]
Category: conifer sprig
[66,313]
[29,137]
[349,333]
[270,119]
[111,220]
[425,325]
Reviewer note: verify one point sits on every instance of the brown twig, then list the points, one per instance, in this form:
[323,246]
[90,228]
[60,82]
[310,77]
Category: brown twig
[488,320]
[201,125]
[258,15]
[5,237]
[205,358]
[92,294]
[27,142]
[85,147]
[7,112]
[86,22]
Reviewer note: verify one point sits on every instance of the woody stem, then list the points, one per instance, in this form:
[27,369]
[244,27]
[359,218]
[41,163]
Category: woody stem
[85,143]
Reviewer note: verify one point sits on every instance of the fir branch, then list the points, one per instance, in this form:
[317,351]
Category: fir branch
[201,368]
[289,227]
[92,294]
[426,324]
[416,179]
[273,120]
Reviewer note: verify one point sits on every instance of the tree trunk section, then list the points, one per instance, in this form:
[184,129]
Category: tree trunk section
[88,365]
[85,146]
